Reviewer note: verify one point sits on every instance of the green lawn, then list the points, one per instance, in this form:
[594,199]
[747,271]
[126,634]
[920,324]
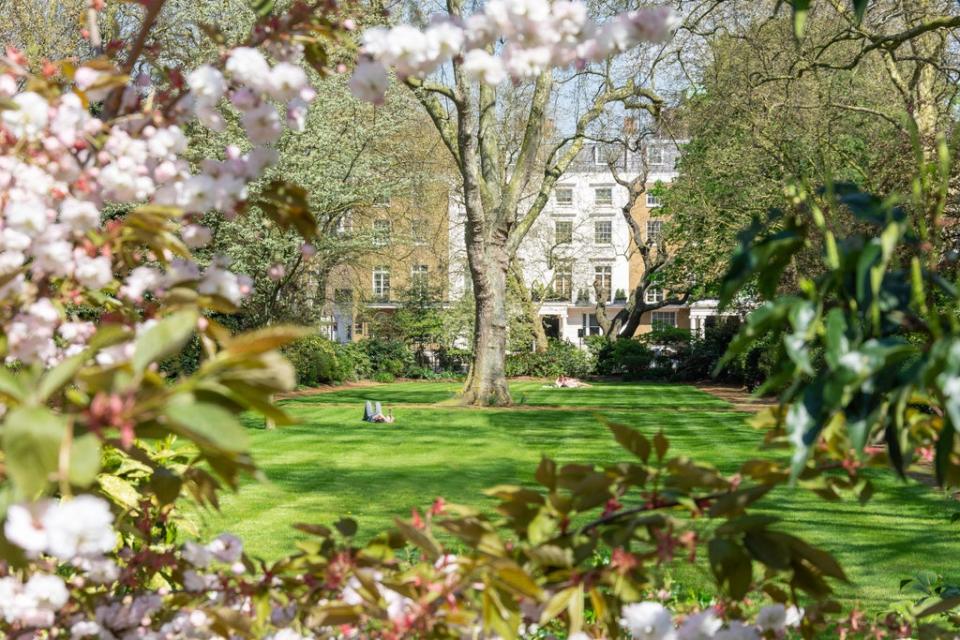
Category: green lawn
[333,464]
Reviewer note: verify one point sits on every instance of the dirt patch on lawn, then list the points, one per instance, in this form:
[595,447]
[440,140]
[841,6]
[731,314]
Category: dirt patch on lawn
[739,397]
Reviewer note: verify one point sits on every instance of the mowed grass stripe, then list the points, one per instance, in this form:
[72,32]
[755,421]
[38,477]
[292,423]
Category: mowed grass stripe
[528,393]
[333,464]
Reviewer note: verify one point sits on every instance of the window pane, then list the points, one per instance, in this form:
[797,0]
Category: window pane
[653,295]
[603,281]
[654,229]
[564,195]
[563,281]
[418,231]
[564,232]
[603,195]
[664,319]
[603,232]
[381,283]
[652,200]
[381,232]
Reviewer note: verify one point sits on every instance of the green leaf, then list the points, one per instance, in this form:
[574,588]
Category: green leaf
[347,527]
[947,604]
[836,342]
[61,375]
[419,538]
[287,205]
[266,339]
[262,8]
[165,485]
[800,9]
[208,425]
[12,384]
[631,440]
[860,9]
[731,566]
[32,437]
[547,473]
[660,444]
[120,491]
[84,460]
[164,339]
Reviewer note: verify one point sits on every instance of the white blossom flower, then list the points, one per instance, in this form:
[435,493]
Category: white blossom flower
[196,235]
[48,591]
[369,82]
[647,621]
[85,629]
[478,64]
[29,118]
[700,626]
[249,67]
[98,570]
[198,582]
[79,215]
[223,283]
[82,526]
[94,273]
[286,81]
[140,281]
[196,554]
[262,124]
[736,630]
[226,548]
[25,528]
[206,85]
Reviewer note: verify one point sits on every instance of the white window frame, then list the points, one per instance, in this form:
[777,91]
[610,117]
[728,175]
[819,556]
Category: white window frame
[345,224]
[591,326]
[563,273]
[556,196]
[596,232]
[556,232]
[418,228]
[653,295]
[656,318]
[381,283]
[598,158]
[654,229]
[602,203]
[604,273]
[654,158]
[653,201]
[382,230]
[418,271]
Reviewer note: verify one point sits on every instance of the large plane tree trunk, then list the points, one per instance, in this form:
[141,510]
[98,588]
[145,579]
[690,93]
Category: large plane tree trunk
[487,380]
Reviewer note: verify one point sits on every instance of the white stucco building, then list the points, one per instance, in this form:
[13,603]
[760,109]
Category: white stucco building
[581,238]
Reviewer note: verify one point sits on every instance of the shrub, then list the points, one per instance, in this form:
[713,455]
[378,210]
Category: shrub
[628,358]
[388,356]
[560,358]
[384,376]
[316,361]
[454,361]
[354,358]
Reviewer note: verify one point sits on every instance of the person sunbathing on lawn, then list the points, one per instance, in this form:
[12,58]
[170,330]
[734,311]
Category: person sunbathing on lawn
[375,415]
[563,382]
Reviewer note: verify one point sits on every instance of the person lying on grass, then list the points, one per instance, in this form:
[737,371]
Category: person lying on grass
[563,382]
[375,415]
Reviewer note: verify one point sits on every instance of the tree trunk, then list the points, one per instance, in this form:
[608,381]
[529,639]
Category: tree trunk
[486,383]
